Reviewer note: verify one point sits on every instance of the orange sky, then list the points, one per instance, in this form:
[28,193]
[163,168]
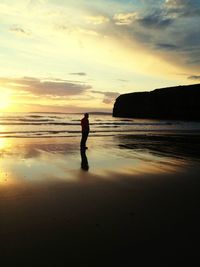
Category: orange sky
[71,56]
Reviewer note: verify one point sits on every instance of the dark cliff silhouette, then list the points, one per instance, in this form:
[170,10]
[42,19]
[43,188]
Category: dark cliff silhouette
[180,102]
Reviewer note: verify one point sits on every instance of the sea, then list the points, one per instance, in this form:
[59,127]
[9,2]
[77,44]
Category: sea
[35,125]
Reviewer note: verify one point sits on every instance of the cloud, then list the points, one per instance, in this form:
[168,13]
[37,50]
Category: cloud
[35,3]
[195,62]
[77,30]
[136,34]
[125,18]
[45,87]
[194,77]
[123,80]
[97,20]
[182,8]
[167,46]
[158,19]
[19,30]
[78,73]
[109,97]
[66,108]
[160,27]
[164,28]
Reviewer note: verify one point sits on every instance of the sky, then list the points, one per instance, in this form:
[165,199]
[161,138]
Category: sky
[80,55]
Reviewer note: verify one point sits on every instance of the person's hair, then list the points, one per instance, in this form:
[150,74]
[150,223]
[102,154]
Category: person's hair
[86,114]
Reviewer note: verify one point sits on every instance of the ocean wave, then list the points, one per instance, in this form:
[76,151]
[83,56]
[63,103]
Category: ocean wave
[104,124]
[98,131]
[37,123]
[24,120]
[65,125]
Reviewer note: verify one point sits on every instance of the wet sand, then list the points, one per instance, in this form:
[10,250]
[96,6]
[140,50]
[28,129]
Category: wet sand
[131,204]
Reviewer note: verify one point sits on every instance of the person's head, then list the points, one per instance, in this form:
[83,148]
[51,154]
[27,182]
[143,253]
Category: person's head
[86,115]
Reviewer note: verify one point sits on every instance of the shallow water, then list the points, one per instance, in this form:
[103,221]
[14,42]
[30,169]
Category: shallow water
[33,160]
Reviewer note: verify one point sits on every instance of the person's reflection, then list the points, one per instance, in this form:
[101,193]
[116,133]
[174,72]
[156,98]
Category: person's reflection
[84,160]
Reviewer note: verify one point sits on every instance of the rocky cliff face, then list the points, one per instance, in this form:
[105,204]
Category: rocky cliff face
[181,102]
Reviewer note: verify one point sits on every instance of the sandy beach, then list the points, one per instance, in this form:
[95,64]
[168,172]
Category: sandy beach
[134,203]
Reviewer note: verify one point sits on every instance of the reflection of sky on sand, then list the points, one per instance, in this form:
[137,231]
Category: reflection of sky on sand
[47,160]
[142,163]
[31,160]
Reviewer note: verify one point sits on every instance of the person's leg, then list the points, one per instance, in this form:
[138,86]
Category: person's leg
[84,139]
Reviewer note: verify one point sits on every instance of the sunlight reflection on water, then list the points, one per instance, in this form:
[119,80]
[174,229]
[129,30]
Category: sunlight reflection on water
[46,160]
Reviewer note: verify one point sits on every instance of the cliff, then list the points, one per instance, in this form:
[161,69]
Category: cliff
[180,102]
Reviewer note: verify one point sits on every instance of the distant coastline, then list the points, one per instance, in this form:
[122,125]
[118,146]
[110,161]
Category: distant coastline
[179,102]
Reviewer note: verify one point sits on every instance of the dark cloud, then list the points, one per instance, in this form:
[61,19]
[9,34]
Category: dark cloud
[109,97]
[167,46]
[194,77]
[44,87]
[155,20]
[183,8]
[168,27]
[192,38]
[195,62]
[78,73]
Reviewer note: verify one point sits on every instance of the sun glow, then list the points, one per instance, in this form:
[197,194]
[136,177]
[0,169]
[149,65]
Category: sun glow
[5,100]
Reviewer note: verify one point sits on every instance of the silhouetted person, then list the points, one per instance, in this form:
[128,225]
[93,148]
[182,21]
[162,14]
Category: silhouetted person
[84,161]
[85,130]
